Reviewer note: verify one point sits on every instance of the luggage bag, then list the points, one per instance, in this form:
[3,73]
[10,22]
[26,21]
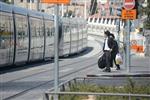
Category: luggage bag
[102,62]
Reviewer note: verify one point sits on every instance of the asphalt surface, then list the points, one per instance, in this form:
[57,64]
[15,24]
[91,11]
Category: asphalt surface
[32,82]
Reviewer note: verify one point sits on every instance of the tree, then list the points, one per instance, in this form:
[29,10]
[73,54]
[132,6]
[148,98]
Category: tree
[93,7]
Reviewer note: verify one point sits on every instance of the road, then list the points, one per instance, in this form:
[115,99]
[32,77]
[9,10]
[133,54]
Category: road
[30,83]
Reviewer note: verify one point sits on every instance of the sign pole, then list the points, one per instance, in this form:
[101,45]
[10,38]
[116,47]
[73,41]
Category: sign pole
[85,10]
[56,63]
[128,46]
[56,42]
[128,13]
[118,32]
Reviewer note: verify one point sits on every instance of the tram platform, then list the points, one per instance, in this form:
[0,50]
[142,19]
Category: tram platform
[139,73]
[139,67]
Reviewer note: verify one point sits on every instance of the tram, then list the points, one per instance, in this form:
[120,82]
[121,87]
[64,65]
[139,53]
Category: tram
[27,36]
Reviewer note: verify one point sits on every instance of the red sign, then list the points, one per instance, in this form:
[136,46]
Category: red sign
[129,4]
[56,1]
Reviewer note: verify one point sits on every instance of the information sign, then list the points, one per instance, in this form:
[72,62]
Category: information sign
[128,14]
[56,1]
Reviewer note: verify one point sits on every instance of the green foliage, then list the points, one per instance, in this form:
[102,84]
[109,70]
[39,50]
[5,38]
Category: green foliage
[130,87]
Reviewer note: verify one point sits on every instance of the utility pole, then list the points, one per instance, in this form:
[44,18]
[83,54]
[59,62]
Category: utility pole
[38,5]
[118,31]
[56,64]
[30,4]
[62,10]
[85,10]
[128,46]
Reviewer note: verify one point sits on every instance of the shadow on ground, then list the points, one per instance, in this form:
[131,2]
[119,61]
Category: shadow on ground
[23,66]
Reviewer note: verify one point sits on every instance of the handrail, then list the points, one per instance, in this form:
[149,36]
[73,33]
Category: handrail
[51,93]
[100,94]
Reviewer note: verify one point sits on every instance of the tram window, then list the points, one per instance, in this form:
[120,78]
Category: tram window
[21,26]
[36,27]
[53,30]
[48,32]
[49,28]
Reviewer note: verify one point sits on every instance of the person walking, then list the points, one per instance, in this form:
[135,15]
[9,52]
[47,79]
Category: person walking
[115,50]
[107,48]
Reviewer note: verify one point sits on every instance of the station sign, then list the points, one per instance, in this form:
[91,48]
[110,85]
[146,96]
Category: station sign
[56,1]
[129,14]
[129,4]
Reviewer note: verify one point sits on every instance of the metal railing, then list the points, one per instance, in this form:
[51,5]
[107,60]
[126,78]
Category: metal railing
[99,94]
[63,86]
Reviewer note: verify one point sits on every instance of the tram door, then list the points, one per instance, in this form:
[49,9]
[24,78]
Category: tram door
[6,38]
[49,36]
[37,38]
[22,38]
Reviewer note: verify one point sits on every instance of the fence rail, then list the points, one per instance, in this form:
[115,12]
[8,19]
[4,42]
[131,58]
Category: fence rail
[49,94]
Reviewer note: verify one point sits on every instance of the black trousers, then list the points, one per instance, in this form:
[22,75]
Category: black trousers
[113,57]
[108,59]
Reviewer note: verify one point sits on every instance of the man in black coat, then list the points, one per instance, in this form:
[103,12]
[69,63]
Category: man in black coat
[107,48]
[115,50]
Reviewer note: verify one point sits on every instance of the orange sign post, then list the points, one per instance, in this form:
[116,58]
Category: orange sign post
[56,1]
[56,55]
[128,14]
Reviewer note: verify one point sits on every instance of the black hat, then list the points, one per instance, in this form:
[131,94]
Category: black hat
[107,33]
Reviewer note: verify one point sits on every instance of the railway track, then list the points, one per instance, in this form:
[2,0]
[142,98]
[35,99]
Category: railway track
[74,63]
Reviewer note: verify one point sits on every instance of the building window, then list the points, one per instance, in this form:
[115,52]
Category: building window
[21,0]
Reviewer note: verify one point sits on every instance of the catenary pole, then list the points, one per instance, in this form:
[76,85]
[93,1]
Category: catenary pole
[56,64]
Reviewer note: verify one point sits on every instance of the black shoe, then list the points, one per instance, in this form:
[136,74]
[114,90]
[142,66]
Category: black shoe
[118,68]
[106,70]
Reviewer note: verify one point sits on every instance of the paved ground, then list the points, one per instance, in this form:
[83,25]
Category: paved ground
[139,64]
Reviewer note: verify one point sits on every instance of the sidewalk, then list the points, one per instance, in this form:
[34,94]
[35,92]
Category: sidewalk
[140,66]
